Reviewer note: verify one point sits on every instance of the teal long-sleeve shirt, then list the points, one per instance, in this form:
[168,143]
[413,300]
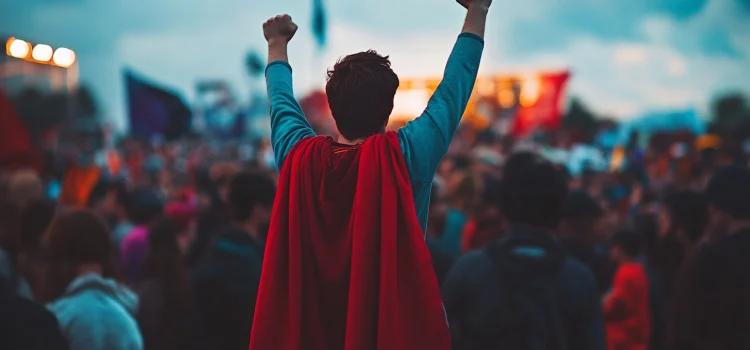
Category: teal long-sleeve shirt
[424,141]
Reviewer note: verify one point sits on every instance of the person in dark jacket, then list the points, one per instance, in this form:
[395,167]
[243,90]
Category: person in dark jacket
[711,308]
[579,235]
[26,325]
[226,284]
[167,313]
[524,291]
[682,224]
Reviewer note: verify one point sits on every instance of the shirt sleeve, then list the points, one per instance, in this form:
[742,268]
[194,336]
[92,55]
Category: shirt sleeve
[425,140]
[288,122]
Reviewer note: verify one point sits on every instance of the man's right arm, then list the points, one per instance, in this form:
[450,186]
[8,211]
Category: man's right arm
[425,140]
[288,122]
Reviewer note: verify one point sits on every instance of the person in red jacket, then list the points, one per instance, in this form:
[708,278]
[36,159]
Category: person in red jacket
[627,315]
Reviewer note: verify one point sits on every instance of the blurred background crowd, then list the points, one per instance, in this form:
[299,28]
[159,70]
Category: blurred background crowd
[147,229]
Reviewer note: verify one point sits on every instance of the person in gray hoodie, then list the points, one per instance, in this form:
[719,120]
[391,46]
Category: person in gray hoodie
[94,311]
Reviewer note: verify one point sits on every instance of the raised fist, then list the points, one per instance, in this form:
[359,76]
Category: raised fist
[279,29]
[483,4]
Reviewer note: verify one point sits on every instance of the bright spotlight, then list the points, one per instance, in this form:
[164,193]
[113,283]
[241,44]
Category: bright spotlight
[42,53]
[18,48]
[530,91]
[64,57]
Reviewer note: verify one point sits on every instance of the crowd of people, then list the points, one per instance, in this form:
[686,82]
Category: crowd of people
[592,262]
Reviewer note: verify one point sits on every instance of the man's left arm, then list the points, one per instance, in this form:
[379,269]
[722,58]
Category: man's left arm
[288,122]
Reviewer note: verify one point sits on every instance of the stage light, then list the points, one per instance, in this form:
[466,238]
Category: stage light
[64,57]
[530,91]
[42,53]
[18,48]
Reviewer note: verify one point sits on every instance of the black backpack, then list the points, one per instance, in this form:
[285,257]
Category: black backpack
[527,315]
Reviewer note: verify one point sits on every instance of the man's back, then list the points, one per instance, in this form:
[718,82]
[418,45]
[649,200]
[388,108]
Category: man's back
[226,285]
[481,287]
[712,300]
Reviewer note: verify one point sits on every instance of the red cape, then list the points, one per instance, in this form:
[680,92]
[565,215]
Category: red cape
[346,266]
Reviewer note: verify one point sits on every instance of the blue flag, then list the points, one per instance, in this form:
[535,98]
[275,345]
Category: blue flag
[319,22]
[153,111]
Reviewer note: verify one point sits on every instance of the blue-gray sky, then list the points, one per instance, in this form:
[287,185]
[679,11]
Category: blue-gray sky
[627,56]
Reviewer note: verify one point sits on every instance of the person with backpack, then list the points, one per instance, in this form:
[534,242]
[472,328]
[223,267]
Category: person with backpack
[524,291]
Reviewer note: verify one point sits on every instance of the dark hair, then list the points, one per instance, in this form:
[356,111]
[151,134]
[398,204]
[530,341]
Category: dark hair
[143,205]
[360,92]
[164,263]
[580,205]
[75,238]
[628,240]
[729,190]
[33,221]
[246,191]
[532,191]
[688,211]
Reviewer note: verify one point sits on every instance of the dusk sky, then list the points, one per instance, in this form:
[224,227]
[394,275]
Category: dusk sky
[627,56]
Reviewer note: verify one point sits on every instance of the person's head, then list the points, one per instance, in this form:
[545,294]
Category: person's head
[581,217]
[532,192]
[76,242]
[163,245]
[360,91]
[684,215]
[728,192]
[23,186]
[166,264]
[625,245]
[33,221]
[184,217]
[144,205]
[107,198]
[463,190]
[251,198]
[221,174]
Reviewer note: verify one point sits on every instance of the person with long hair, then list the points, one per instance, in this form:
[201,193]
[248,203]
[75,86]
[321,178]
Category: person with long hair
[167,312]
[94,311]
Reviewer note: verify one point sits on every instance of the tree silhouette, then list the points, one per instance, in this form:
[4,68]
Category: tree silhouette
[731,116]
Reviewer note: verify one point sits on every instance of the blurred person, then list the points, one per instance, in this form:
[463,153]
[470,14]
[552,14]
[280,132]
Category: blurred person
[94,311]
[487,222]
[212,216]
[647,225]
[711,308]
[33,221]
[523,291]
[167,312]
[344,205]
[683,219]
[580,234]
[464,189]
[442,260]
[26,325]
[226,283]
[145,205]
[23,186]
[122,213]
[106,198]
[9,246]
[626,308]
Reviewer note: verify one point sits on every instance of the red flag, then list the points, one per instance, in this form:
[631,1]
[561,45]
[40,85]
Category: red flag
[540,103]
[16,149]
